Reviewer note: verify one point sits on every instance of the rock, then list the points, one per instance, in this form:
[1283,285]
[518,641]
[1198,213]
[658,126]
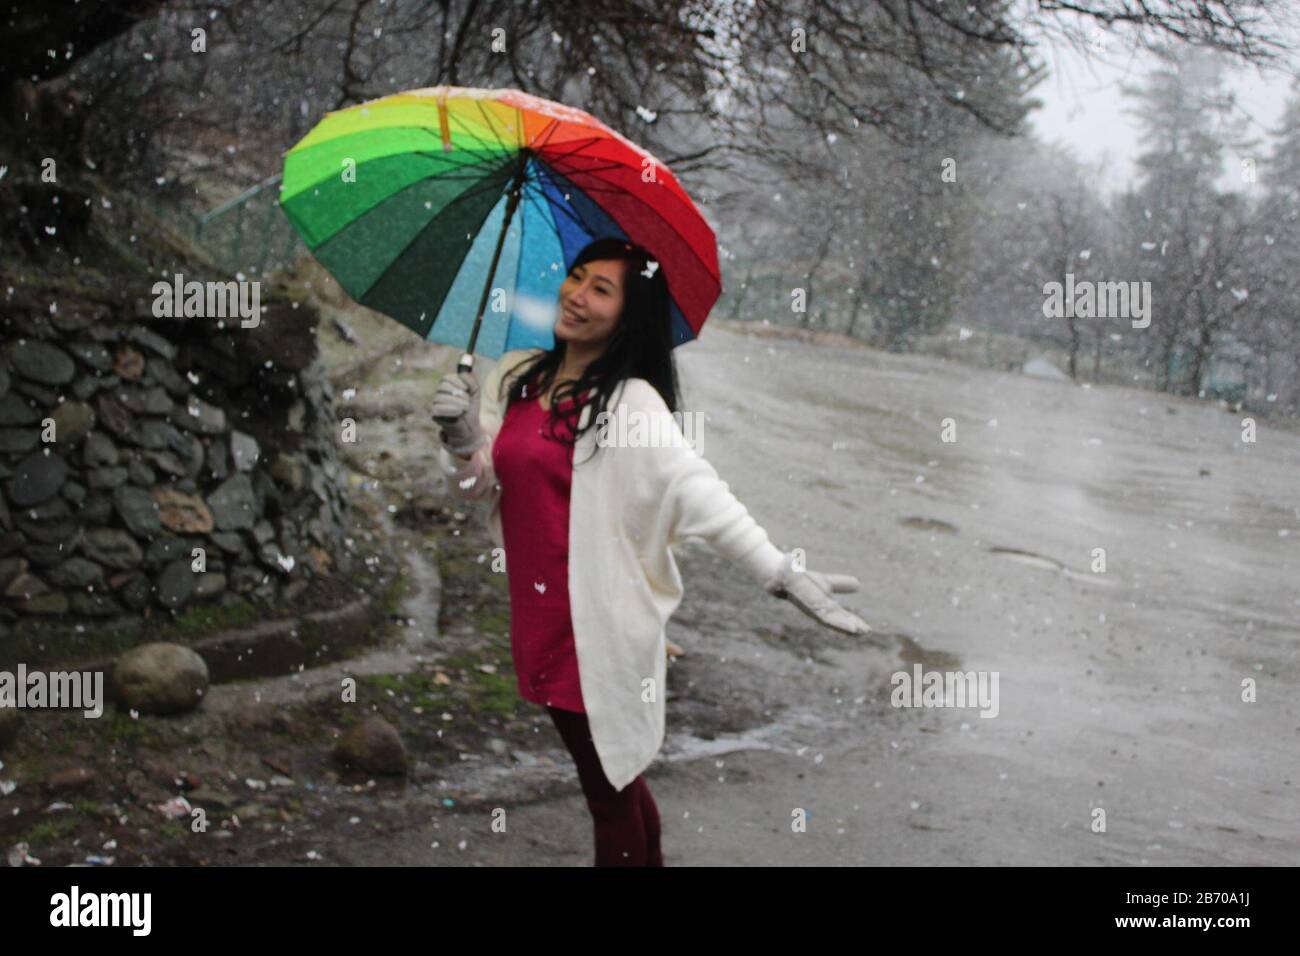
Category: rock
[319,559]
[135,590]
[84,386]
[138,510]
[112,548]
[76,572]
[15,441]
[102,478]
[233,504]
[55,543]
[144,401]
[288,471]
[175,584]
[93,604]
[218,457]
[97,509]
[76,315]
[183,512]
[152,341]
[37,477]
[243,451]
[106,333]
[212,798]
[165,461]
[92,354]
[4,381]
[155,435]
[9,720]
[116,417]
[74,492]
[45,397]
[373,745]
[25,585]
[72,421]
[68,781]
[143,790]
[228,541]
[1040,367]
[11,568]
[51,602]
[128,363]
[15,410]
[198,416]
[245,578]
[274,558]
[165,548]
[41,516]
[138,473]
[99,450]
[42,362]
[208,584]
[49,555]
[161,679]
[263,532]
[162,372]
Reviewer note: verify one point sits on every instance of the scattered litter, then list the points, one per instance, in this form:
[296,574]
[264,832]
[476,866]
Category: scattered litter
[174,808]
[18,856]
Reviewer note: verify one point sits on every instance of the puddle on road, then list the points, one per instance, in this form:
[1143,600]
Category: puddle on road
[1051,564]
[910,652]
[1029,558]
[927,524]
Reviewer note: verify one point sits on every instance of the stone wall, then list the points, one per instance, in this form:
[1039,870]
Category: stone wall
[127,441]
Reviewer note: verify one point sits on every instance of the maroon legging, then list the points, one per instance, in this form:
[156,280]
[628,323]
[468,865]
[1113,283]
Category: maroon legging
[627,820]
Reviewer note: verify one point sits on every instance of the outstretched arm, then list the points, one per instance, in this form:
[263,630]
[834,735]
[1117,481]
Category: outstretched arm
[696,502]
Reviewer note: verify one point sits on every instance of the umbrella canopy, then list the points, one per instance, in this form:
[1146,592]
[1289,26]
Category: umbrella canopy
[423,202]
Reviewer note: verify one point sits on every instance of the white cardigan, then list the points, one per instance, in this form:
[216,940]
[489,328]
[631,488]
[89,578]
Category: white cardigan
[627,506]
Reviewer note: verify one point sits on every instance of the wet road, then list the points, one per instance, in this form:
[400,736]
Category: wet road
[1118,691]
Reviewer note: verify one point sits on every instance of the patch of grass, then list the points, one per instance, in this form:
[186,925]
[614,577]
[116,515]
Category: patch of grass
[119,728]
[199,621]
[494,693]
[418,688]
[57,827]
[394,594]
[47,642]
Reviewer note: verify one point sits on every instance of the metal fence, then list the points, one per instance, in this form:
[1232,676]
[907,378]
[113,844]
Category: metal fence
[250,233]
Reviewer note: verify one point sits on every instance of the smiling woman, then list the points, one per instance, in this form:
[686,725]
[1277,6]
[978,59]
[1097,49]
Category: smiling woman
[592,580]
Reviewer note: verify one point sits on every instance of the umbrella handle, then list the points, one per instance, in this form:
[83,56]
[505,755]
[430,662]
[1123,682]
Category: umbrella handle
[466,363]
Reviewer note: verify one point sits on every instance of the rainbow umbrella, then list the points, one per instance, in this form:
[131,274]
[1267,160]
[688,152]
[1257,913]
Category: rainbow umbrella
[424,204]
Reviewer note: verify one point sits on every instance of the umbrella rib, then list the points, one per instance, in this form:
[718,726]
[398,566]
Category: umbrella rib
[562,207]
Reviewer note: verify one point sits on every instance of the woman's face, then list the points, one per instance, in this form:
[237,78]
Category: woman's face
[591,301]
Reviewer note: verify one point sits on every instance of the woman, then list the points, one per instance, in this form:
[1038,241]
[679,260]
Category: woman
[587,524]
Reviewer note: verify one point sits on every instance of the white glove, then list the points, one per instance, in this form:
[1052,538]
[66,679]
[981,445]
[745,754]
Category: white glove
[810,592]
[456,410]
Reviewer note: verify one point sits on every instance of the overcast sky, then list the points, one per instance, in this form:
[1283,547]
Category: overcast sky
[1083,107]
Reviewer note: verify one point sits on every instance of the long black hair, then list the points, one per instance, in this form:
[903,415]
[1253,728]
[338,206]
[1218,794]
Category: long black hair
[641,345]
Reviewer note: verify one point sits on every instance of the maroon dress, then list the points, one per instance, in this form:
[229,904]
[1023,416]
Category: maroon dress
[535,472]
